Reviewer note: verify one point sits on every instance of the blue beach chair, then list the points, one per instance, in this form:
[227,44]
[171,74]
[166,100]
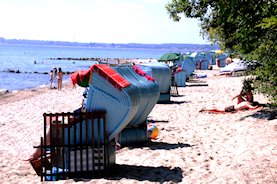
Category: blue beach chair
[162,74]
[187,68]
[125,106]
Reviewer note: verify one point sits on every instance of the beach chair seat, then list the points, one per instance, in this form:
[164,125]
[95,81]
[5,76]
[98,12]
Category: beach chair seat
[132,136]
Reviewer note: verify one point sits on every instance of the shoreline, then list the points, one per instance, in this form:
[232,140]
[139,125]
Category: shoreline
[22,94]
[67,74]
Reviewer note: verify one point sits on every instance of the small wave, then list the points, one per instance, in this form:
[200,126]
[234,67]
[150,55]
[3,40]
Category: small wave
[43,86]
[3,91]
[35,72]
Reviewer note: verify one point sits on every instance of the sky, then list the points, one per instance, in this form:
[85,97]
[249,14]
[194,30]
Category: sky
[100,21]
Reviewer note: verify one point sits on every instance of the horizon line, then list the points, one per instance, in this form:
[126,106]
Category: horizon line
[20,39]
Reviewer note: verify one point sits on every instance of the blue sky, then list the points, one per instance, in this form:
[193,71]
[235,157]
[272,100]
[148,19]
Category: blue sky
[105,21]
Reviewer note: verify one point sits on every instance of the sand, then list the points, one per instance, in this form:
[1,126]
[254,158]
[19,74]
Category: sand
[192,147]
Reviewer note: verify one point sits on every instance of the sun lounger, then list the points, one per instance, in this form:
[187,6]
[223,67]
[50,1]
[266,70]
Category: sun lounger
[236,65]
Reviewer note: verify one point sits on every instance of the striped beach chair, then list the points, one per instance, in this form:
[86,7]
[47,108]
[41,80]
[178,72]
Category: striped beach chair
[162,74]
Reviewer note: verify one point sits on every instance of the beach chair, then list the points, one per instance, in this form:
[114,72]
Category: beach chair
[147,97]
[126,106]
[162,74]
[125,93]
[136,132]
[78,146]
[219,60]
[185,70]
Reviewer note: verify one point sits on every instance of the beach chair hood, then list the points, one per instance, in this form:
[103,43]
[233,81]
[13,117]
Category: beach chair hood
[126,96]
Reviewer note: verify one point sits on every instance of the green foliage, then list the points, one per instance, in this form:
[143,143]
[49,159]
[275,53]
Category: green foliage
[268,22]
[245,26]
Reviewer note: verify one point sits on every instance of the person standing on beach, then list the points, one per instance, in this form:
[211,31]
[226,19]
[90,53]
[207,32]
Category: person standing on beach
[54,75]
[51,78]
[60,75]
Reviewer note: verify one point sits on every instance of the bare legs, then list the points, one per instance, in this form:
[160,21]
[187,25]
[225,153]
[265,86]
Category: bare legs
[239,107]
[213,110]
[60,84]
[245,106]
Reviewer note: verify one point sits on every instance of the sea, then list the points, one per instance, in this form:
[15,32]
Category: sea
[27,66]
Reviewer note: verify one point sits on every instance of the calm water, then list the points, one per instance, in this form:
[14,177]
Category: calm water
[22,58]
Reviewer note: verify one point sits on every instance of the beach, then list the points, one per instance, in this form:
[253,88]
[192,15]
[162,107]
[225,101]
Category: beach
[191,147]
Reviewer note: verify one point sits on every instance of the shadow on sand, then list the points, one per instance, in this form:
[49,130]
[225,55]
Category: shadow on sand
[161,145]
[166,146]
[173,95]
[266,113]
[159,174]
[175,102]
[157,121]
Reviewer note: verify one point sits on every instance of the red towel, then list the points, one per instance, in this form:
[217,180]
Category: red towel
[139,71]
[82,77]
[111,75]
[179,69]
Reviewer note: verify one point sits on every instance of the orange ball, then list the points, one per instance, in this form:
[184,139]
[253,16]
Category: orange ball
[152,131]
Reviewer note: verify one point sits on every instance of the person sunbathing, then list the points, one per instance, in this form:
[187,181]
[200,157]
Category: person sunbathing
[233,108]
[247,97]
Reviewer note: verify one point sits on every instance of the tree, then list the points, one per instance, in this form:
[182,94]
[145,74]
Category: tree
[248,27]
